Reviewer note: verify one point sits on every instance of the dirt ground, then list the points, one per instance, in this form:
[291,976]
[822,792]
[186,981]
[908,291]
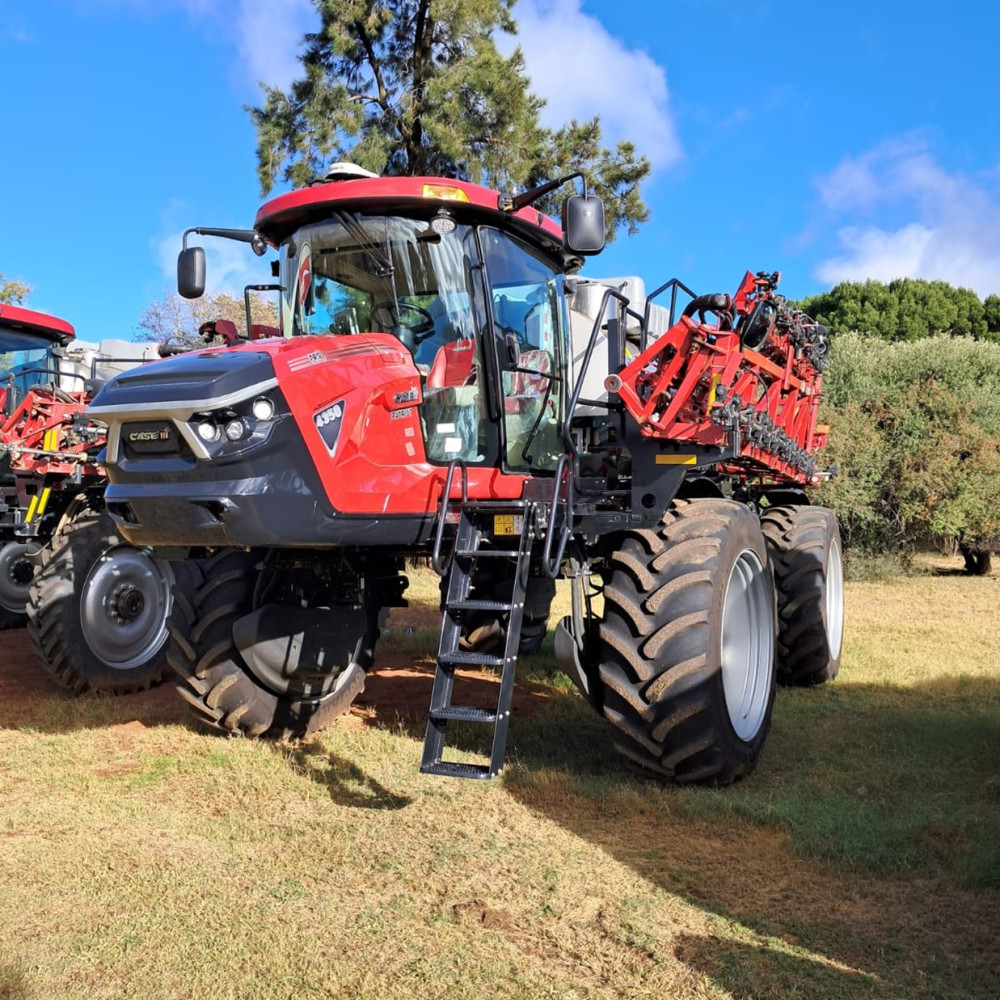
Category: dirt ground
[398,689]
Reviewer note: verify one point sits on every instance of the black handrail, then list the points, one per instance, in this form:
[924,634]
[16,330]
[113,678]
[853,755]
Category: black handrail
[673,284]
[441,567]
[551,566]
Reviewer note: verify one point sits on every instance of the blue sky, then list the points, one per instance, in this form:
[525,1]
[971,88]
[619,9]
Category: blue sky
[830,141]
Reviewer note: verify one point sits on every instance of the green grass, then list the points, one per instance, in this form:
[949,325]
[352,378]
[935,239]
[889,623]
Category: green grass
[143,858]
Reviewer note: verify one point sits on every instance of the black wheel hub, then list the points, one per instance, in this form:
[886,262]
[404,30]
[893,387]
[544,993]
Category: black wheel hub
[20,572]
[126,604]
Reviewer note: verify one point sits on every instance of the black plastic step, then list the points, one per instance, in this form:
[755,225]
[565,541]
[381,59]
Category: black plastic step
[453,769]
[463,713]
[470,659]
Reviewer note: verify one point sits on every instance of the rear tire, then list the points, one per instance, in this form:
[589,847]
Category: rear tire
[804,545]
[210,597]
[97,608]
[688,643]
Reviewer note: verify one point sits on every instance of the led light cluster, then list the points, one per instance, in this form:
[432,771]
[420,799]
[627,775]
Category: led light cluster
[212,427]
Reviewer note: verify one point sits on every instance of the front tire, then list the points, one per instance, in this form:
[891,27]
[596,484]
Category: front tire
[688,644]
[804,544]
[97,608]
[211,599]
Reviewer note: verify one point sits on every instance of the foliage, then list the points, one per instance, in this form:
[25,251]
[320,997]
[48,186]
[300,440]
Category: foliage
[913,433]
[418,87]
[13,290]
[906,309]
[177,320]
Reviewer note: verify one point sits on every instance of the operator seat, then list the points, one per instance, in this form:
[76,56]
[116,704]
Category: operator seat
[452,365]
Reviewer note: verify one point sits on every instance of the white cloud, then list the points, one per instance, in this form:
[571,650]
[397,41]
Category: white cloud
[265,33]
[944,226]
[582,70]
[269,34]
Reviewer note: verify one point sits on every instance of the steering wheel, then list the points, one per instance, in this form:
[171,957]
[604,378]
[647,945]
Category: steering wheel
[415,332]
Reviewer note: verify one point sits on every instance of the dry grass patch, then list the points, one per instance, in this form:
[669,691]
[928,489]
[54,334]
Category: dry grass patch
[142,858]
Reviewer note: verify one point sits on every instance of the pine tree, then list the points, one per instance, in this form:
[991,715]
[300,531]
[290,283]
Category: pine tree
[418,87]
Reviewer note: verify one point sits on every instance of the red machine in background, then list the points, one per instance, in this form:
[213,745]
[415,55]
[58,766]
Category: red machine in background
[95,606]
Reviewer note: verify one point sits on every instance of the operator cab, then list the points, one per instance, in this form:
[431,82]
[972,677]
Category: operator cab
[476,296]
[481,312]
[28,340]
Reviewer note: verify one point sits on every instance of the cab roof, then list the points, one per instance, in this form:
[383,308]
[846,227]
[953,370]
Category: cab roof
[285,213]
[36,323]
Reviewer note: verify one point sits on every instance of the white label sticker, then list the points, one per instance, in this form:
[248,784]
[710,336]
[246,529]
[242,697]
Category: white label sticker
[446,428]
[452,444]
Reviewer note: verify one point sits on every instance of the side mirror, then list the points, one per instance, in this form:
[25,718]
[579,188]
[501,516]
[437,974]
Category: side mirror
[583,224]
[191,272]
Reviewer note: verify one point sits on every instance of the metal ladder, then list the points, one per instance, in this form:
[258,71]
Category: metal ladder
[477,525]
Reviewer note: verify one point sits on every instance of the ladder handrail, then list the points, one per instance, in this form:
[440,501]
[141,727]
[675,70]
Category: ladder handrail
[551,567]
[441,567]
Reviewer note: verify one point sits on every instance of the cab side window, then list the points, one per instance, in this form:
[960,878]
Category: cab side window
[529,327]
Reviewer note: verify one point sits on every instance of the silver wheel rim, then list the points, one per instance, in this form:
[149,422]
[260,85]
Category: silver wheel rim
[124,607]
[747,645]
[834,599]
[15,575]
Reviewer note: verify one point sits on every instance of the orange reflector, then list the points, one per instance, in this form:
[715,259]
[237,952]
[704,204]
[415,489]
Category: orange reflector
[445,192]
[676,459]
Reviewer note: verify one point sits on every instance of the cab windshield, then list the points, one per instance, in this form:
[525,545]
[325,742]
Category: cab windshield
[452,295]
[25,360]
[380,274]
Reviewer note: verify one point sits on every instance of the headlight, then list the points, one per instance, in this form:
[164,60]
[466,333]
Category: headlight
[208,431]
[263,408]
[235,430]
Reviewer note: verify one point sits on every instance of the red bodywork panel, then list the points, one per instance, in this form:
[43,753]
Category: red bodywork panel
[378,465]
[675,388]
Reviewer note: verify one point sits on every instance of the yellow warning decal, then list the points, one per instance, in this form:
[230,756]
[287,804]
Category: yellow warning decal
[508,524]
[676,459]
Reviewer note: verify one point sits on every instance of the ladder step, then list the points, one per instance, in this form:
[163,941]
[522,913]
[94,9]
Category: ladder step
[475,605]
[453,769]
[471,659]
[463,713]
[488,553]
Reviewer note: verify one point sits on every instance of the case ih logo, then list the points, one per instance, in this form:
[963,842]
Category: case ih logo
[149,438]
[163,434]
[328,423]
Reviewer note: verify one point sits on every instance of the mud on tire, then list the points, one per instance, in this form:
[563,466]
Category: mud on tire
[97,607]
[804,545]
[210,597]
[688,644]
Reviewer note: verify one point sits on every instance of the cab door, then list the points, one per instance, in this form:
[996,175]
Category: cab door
[529,325]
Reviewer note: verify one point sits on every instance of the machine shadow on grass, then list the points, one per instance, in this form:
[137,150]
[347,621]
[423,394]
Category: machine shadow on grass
[872,845]
[860,860]
[347,784]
